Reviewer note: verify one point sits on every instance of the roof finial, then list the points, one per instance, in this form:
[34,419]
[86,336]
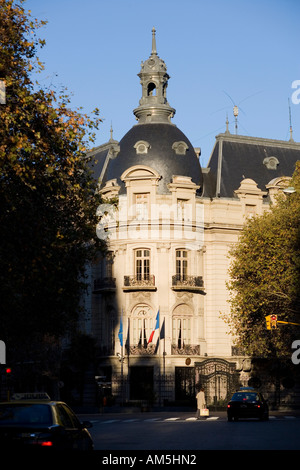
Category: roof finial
[227,130]
[154,52]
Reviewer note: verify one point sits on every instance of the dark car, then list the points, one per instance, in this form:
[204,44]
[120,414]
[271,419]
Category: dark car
[247,403]
[42,423]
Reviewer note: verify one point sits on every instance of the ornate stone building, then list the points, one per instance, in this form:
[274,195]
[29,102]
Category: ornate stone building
[168,241]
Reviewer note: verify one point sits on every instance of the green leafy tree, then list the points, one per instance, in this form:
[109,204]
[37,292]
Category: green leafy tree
[47,194]
[264,278]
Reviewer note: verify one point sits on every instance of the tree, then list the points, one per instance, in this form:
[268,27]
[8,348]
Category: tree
[48,203]
[264,278]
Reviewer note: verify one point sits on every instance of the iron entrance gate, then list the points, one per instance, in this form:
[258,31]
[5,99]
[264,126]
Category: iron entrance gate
[219,379]
[185,386]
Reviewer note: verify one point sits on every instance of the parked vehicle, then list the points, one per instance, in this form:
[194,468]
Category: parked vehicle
[38,423]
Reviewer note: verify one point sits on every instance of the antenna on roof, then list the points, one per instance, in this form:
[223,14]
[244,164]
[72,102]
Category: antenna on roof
[237,109]
[290,118]
[235,112]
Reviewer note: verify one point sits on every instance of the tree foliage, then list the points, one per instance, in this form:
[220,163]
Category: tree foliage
[48,203]
[264,278]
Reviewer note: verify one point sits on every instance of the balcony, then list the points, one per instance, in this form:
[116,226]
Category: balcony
[188,283]
[138,350]
[185,350]
[103,285]
[139,283]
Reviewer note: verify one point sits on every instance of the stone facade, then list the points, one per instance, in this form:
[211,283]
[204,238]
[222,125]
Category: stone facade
[168,242]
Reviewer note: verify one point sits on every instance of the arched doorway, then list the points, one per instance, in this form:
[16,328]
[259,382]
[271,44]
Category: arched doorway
[219,379]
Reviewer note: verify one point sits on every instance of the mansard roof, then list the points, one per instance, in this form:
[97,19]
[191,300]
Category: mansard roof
[236,157]
[161,146]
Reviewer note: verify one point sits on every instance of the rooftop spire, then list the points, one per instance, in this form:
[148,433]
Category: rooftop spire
[227,130]
[153,105]
[154,51]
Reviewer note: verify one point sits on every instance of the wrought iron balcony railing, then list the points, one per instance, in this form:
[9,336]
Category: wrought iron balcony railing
[138,282]
[186,349]
[183,282]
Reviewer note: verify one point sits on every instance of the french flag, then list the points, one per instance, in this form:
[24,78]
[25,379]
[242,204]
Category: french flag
[155,328]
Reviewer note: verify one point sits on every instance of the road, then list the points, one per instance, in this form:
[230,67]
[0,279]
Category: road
[180,431]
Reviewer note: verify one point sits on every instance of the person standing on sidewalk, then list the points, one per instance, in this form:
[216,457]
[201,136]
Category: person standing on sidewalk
[200,397]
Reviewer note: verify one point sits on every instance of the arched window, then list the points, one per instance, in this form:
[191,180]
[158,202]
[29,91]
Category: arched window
[182,326]
[151,90]
[142,321]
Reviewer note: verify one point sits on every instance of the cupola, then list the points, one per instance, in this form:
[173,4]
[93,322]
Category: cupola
[153,106]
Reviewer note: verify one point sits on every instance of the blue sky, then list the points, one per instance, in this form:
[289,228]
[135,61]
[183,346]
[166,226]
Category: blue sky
[218,53]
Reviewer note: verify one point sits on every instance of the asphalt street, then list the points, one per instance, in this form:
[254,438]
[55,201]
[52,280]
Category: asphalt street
[181,431]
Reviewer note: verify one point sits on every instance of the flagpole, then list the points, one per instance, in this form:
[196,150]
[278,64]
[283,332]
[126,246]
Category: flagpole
[128,343]
[164,352]
[159,354]
[121,342]
[122,354]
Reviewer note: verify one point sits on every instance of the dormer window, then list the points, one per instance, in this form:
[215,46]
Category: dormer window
[271,163]
[141,201]
[180,148]
[142,147]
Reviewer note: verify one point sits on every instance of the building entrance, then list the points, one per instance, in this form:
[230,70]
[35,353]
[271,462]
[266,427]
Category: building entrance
[219,379]
[185,386]
[141,383]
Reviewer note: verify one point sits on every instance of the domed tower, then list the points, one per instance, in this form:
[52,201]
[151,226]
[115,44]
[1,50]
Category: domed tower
[154,106]
[155,243]
[155,141]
